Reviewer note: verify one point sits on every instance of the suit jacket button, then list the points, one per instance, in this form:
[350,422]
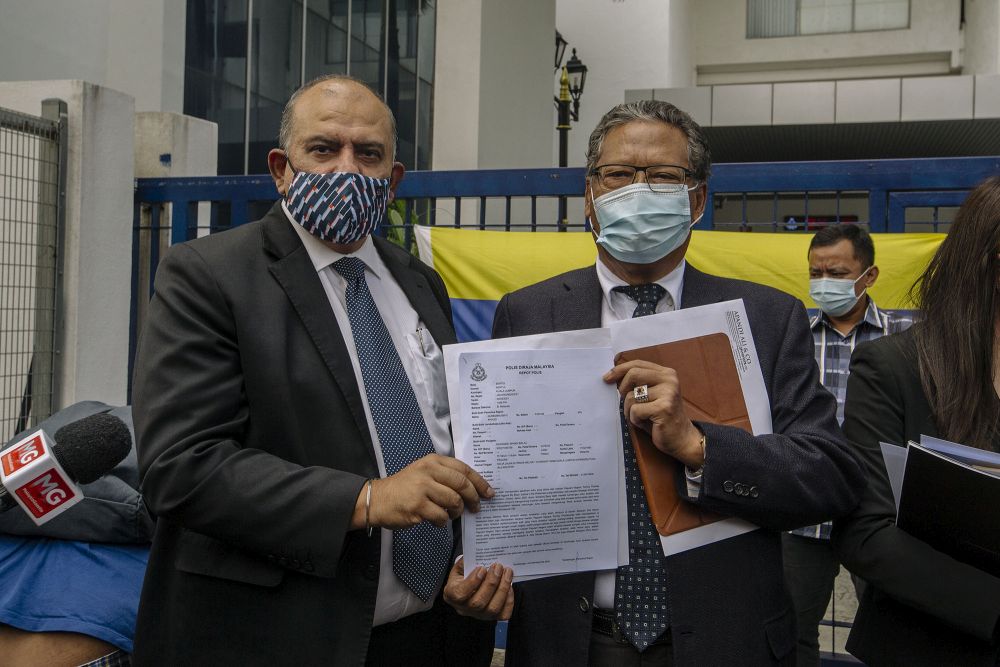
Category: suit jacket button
[739,488]
[753,492]
[584,604]
[308,566]
[371,571]
[727,486]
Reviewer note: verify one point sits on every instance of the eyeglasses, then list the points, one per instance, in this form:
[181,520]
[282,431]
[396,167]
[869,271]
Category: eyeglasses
[659,177]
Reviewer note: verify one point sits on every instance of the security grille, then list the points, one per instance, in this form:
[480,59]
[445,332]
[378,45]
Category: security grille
[32,171]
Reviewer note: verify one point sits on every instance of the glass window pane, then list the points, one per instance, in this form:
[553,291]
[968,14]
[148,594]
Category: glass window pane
[881,14]
[770,18]
[215,73]
[824,16]
[326,38]
[425,126]
[367,37]
[401,84]
[276,60]
[425,47]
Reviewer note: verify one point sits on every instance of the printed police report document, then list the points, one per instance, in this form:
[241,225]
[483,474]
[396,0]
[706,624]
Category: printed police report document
[542,427]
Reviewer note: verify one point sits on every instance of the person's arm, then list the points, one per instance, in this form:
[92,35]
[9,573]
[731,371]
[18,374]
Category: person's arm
[868,542]
[192,412]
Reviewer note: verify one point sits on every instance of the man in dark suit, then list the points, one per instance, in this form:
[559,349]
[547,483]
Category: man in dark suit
[293,430]
[724,603]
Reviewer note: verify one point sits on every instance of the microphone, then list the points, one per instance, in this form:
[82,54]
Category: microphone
[42,476]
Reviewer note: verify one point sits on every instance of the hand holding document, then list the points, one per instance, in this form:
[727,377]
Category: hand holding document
[533,416]
[712,351]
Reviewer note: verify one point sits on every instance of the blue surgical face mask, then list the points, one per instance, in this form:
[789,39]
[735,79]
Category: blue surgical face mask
[835,296]
[338,207]
[640,226]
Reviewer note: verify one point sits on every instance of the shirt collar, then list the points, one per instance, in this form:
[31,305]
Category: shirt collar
[873,318]
[673,282]
[322,255]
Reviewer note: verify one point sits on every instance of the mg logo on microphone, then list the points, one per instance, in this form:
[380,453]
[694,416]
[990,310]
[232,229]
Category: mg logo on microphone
[36,480]
[44,493]
[23,454]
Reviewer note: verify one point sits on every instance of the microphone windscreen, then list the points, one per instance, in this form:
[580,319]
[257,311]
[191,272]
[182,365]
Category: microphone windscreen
[92,446]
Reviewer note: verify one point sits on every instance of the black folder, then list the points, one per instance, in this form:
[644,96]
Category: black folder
[953,507]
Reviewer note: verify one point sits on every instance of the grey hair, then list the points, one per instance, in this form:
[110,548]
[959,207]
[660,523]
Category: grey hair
[699,157]
[288,114]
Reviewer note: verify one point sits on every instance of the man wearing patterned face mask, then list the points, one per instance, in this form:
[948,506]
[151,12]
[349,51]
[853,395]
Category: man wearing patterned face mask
[841,270]
[293,428]
[724,603]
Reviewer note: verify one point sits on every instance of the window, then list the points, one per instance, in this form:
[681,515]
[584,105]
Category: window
[786,18]
[388,44]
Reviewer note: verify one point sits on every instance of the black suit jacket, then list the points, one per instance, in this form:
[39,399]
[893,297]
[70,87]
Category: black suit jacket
[920,607]
[253,446]
[728,602]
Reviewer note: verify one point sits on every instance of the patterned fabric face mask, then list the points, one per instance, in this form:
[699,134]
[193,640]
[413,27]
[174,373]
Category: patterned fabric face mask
[338,207]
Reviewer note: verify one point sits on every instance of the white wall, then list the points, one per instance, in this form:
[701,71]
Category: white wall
[516,121]
[931,45]
[136,46]
[982,37]
[625,45]
[456,84]
[98,239]
[493,84]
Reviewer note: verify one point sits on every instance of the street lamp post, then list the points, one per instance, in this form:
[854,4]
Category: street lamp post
[563,126]
[571,82]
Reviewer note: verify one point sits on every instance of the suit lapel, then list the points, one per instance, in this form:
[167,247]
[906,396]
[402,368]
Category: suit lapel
[418,291]
[580,306]
[296,274]
[698,290]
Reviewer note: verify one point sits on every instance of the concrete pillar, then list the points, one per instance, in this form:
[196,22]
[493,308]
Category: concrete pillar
[98,235]
[171,144]
[166,145]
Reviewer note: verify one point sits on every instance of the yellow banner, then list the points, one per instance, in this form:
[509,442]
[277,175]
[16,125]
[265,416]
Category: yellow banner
[486,265]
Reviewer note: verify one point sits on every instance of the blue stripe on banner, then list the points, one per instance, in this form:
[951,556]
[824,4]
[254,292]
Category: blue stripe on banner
[473,318]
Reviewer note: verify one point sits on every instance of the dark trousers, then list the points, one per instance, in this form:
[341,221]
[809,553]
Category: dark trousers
[608,652]
[811,566]
[438,637]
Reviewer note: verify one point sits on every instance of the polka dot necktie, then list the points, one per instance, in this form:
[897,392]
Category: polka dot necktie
[640,587]
[420,554]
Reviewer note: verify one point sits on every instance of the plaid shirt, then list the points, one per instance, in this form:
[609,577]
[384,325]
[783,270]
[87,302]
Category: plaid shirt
[833,354]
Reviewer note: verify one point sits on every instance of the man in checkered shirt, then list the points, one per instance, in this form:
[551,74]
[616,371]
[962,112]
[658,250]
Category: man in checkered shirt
[841,269]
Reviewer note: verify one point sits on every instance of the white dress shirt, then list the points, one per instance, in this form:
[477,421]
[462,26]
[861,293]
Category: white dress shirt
[424,366]
[615,307]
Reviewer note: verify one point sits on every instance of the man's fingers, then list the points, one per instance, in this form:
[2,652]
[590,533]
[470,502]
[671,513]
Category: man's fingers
[479,602]
[460,588]
[482,487]
[446,498]
[503,598]
[431,511]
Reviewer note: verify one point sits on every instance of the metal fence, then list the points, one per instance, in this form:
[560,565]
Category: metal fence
[32,177]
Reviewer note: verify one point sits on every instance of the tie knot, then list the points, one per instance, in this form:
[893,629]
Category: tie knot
[646,296]
[352,268]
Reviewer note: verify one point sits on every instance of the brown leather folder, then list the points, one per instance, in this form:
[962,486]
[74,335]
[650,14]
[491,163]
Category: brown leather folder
[710,386]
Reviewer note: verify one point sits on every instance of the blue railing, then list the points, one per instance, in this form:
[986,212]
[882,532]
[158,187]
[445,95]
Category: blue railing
[889,187]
